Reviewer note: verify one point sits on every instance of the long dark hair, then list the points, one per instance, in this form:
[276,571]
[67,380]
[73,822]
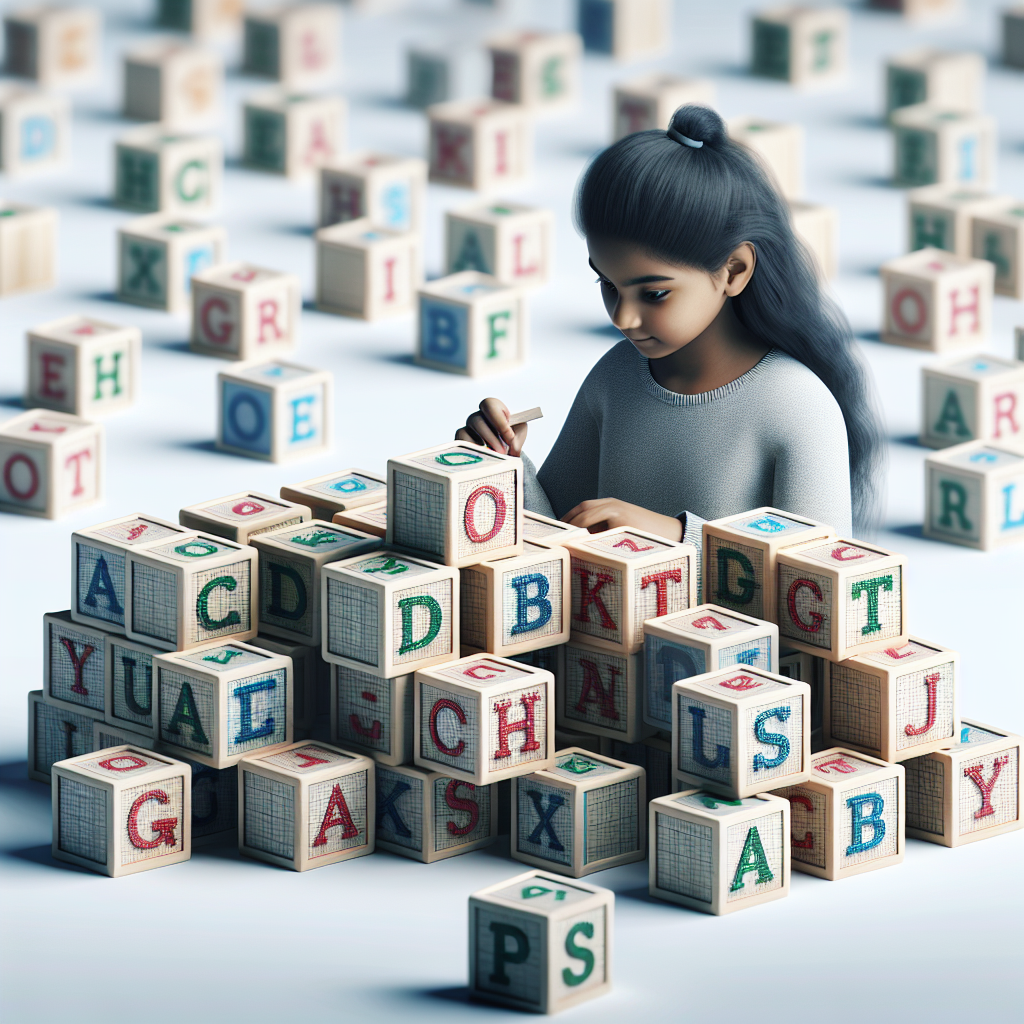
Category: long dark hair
[693,206]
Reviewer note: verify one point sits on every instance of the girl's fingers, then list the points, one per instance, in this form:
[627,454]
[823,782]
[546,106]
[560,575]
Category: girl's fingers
[479,425]
[497,415]
[518,439]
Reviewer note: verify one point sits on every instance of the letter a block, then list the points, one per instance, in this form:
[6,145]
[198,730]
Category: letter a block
[73,665]
[479,144]
[841,598]
[459,503]
[372,715]
[538,70]
[703,639]
[509,241]
[622,577]
[122,810]
[129,703]
[429,816]
[34,131]
[243,515]
[54,734]
[602,693]
[941,217]
[292,134]
[536,943]
[650,101]
[935,146]
[803,46]
[387,189]
[584,814]
[967,791]
[222,701]
[159,172]
[736,731]
[484,719]
[28,248]
[305,806]
[177,84]
[337,492]
[59,47]
[849,816]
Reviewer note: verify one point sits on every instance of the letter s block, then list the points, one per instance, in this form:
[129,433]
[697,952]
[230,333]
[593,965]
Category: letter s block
[121,810]
[537,943]
[243,515]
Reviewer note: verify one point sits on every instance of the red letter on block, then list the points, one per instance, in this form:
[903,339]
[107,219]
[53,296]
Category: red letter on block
[444,704]
[974,774]
[592,596]
[807,843]
[163,827]
[337,813]
[457,803]
[932,683]
[661,581]
[33,476]
[593,689]
[77,460]
[51,359]
[77,662]
[524,725]
[816,618]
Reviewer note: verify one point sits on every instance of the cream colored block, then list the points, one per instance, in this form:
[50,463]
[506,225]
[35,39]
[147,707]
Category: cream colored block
[35,131]
[292,134]
[298,45]
[243,515]
[641,104]
[546,532]
[817,227]
[370,518]
[952,80]
[539,70]
[336,492]
[935,146]
[601,692]
[390,190]
[57,46]
[997,235]
[372,715]
[179,85]
[202,19]
[157,171]
[941,217]
[779,147]
[805,46]
[510,241]
[310,681]
[54,733]
[28,248]
[625,30]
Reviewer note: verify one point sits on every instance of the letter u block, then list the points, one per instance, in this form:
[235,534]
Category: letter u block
[841,598]
[621,578]
[641,104]
[240,311]
[737,731]
[129,690]
[459,503]
[189,591]
[372,715]
[291,134]
[429,816]
[389,190]
[35,131]
[177,84]
[54,734]
[703,639]
[624,29]
[936,146]
[537,70]
[214,804]
[997,235]
[974,495]
[336,492]
[74,659]
[806,47]
[849,816]
[584,814]
[305,806]
[484,719]
[220,701]
[717,855]
[941,217]
[537,943]
[160,172]
[298,46]
[602,692]
[58,47]
[509,241]
[243,515]
[951,81]
[28,248]
[51,464]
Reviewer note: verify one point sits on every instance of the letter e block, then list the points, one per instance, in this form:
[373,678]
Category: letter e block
[936,146]
[372,715]
[602,693]
[160,172]
[59,47]
[800,45]
[650,101]
[538,70]
[387,189]
[177,84]
[479,144]
[243,515]
[28,248]
[54,734]
[337,492]
[509,241]
[292,134]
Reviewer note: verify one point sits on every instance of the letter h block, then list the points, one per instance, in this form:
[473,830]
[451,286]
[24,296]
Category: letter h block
[484,719]
[935,146]
[74,659]
[220,702]
[243,515]
[641,104]
[160,172]
[292,134]
[584,814]
[849,816]
[459,503]
[537,70]
[602,692]
[621,578]
[807,47]
[121,810]
[305,806]
[718,855]
[841,598]
[510,241]
[539,944]
[336,492]
[737,731]
[389,190]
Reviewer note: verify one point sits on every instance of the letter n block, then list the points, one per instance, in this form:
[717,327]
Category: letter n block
[336,492]
[537,70]
[243,515]
[484,719]
[121,810]
[28,248]
[806,47]
[641,104]
[849,816]
[291,134]
[34,131]
[130,693]
[156,171]
[372,715]
[479,144]
[968,791]
[305,806]
[602,692]
[506,240]
[54,734]
[934,146]
[389,190]
[539,944]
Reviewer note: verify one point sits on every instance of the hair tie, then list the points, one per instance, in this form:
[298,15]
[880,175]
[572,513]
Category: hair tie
[682,139]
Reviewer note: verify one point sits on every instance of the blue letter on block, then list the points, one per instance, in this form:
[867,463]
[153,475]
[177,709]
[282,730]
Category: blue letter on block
[595,25]
[524,601]
[1008,523]
[721,753]
[244,695]
[246,418]
[775,739]
[397,208]
[874,805]
[38,136]
[444,332]
[195,261]
[102,586]
[303,428]
[386,809]
[544,819]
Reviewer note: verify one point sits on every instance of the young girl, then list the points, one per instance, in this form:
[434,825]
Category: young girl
[736,385]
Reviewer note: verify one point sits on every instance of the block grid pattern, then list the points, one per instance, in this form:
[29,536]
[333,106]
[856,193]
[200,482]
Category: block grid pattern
[516,740]
[82,820]
[88,651]
[756,652]
[154,602]
[912,702]
[59,734]
[684,857]
[666,663]
[645,598]
[734,575]
[172,808]
[360,719]
[441,592]
[132,680]
[545,827]
[214,800]
[890,617]
[447,838]
[420,514]
[603,593]
[807,824]
[886,789]
[611,820]
[105,600]
[204,701]
[926,778]
[450,731]
[552,572]
[596,688]
[290,600]
[489,516]
[353,622]
[267,716]
[774,841]
[399,816]
[1003,798]
[855,706]
[327,813]
[525,979]
[269,815]
[714,726]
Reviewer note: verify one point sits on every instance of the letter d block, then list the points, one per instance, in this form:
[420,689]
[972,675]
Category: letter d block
[602,692]
[223,701]
[484,719]
[372,715]
[34,131]
[305,806]
[536,943]
[719,855]
[510,241]
[157,171]
[849,816]
[841,599]
[336,492]
[243,515]
[122,810]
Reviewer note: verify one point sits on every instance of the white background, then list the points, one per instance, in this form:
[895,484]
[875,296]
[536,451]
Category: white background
[385,938]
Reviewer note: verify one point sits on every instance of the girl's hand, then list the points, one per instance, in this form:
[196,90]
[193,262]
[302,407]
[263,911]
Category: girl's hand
[606,513]
[490,426]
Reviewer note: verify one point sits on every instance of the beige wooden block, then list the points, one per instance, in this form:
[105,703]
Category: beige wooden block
[156,171]
[919,10]
[243,515]
[129,704]
[51,464]
[292,133]
[539,70]
[441,68]
[941,217]
[370,518]
[372,715]
[214,804]
[647,102]
[35,131]
[297,45]
[951,80]
[1013,36]
[390,190]
[54,734]
[805,46]
[311,681]
[74,665]
[849,816]
[997,235]
[717,855]
[546,532]
[934,146]
[625,30]
[202,19]
[177,84]
[601,692]
[653,754]
[509,241]
[967,791]
[57,46]
[817,227]
[336,492]
[28,248]
[779,147]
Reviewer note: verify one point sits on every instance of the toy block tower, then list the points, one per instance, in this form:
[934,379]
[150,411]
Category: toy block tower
[805,46]
[641,104]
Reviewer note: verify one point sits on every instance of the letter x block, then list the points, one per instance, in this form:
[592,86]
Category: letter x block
[34,131]
[622,577]
[602,692]
[372,715]
[298,45]
[336,492]
[243,515]
[305,806]
[59,47]
[28,248]
[641,104]
[801,45]
[159,172]
[484,719]
[292,134]
[74,659]
[177,84]
[387,189]
[935,146]
[941,216]
[121,810]
[537,70]
[509,241]
[536,943]
[849,816]
[841,598]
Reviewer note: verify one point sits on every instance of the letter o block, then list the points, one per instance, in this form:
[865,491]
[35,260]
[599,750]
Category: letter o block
[243,515]
[372,715]
[122,810]
[484,719]
[336,492]
[602,692]
[74,659]
[537,943]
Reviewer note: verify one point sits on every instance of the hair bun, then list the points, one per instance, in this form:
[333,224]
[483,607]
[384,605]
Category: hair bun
[702,124]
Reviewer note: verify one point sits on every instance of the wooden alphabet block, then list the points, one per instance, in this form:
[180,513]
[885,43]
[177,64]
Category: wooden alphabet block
[214,804]
[160,172]
[583,814]
[191,590]
[310,681]
[83,366]
[54,734]
[974,495]
[918,10]
[805,46]
[202,19]
[941,217]
[809,669]
[371,518]
[372,715]
[460,503]
[779,147]
[934,146]
[641,104]
[336,492]
[1013,37]
[291,133]
[74,657]
[28,248]
[429,816]
[128,687]
[936,301]
[703,639]
[157,257]
[35,130]
[967,791]
[594,744]
[625,30]
[980,398]
[997,235]
[620,578]
[817,227]
[545,532]
[305,806]
[243,515]
[298,46]
[51,464]
[602,692]
[946,79]
[538,70]
[849,816]
[509,241]
[179,85]
[479,144]
[389,190]
[58,47]
[122,810]
[718,855]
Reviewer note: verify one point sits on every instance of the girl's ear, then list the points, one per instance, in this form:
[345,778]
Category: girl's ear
[739,268]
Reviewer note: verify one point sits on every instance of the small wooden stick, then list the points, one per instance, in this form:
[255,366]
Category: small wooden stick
[526,416]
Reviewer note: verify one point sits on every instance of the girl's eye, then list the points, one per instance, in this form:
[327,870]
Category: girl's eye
[655,296]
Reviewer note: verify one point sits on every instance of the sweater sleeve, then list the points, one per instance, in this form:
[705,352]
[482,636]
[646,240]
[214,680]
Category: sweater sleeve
[570,472]
[534,497]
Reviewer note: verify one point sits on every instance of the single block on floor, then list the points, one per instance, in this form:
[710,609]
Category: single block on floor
[538,70]
[625,30]
[390,190]
[298,45]
[948,79]
[942,217]
[778,146]
[805,46]
[509,241]
[292,134]
[935,146]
